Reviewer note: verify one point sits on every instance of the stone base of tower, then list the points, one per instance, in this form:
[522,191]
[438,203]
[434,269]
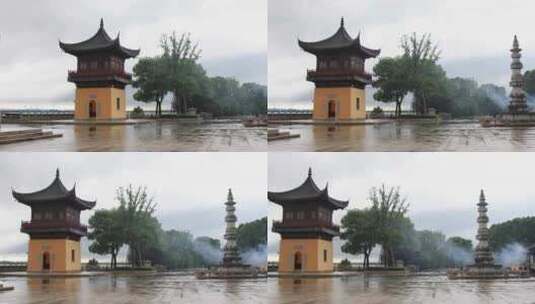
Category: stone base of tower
[482,272]
[510,120]
[346,103]
[100,104]
[305,255]
[54,255]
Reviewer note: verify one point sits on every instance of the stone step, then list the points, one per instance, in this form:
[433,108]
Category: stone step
[273,132]
[283,135]
[4,134]
[27,137]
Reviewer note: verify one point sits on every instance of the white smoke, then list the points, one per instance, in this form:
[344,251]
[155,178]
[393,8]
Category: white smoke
[459,255]
[256,256]
[210,254]
[512,254]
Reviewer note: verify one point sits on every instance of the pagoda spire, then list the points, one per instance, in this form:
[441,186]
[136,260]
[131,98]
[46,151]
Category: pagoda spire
[342,22]
[57,172]
[231,255]
[517,103]
[483,256]
[309,171]
[101,23]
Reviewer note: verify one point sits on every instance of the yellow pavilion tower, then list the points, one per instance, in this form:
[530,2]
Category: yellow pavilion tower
[340,76]
[55,229]
[100,77]
[306,228]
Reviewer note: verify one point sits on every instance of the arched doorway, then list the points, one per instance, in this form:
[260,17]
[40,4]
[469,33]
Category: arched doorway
[298,261]
[332,109]
[46,261]
[92,109]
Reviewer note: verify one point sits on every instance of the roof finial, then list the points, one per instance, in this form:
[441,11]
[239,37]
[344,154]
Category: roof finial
[482,196]
[230,197]
[101,23]
[342,22]
[309,171]
[515,43]
[57,172]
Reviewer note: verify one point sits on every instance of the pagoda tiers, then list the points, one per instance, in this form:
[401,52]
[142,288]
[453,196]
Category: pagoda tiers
[340,77]
[483,256]
[55,228]
[231,254]
[306,228]
[100,77]
[518,103]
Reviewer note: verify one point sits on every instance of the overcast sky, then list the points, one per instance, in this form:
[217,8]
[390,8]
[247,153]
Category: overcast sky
[189,188]
[442,188]
[33,70]
[475,37]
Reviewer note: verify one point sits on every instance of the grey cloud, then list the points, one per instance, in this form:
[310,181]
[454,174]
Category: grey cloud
[33,69]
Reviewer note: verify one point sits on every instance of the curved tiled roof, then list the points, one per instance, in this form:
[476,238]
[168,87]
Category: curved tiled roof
[307,191]
[101,41]
[55,192]
[339,41]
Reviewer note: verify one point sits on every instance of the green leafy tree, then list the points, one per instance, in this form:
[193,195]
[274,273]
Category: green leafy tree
[360,233]
[392,82]
[251,235]
[529,82]
[384,224]
[151,78]
[518,230]
[460,242]
[423,73]
[107,234]
[140,227]
[390,208]
[181,55]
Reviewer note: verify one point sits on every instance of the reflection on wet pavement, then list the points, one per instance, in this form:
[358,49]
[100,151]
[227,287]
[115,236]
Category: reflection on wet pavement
[407,136]
[133,289]
[409,289]
[158,136]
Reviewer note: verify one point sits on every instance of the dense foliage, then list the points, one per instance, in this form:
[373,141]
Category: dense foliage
[378,225]
[518,230]
[177,72]
[529,82]
[252,235]
[417,71]
[386,225]
[133,224]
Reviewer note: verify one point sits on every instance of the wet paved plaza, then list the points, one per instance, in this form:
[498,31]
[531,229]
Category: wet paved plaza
[158,136]
[407,137]
[410,289]
[133,289]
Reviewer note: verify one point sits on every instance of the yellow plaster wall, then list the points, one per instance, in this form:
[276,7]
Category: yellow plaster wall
[346,103]
[311,252]
[105,99]
[60,255]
